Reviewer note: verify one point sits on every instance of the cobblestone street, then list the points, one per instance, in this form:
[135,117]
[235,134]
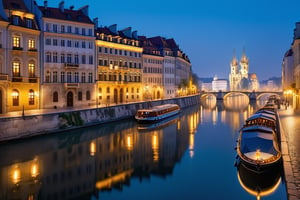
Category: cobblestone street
[290,122]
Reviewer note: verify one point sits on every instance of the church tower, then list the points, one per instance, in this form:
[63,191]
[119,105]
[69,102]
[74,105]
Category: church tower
[234,76]
[244,63]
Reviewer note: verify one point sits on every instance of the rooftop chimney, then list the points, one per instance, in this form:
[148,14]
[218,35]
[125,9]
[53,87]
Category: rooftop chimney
[61,6]
[45,4]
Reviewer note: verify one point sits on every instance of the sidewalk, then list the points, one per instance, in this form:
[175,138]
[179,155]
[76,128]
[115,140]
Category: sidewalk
[290,144]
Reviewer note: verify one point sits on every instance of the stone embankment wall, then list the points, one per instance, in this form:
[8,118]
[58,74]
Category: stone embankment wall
[33,125]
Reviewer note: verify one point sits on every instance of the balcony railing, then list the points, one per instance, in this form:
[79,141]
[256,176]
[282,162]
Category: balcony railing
[18,48]
[16,79]
[71,85]
[71,65]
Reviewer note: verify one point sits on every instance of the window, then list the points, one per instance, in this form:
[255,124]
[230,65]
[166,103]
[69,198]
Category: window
[54,42]
[69,29]
[83,77]
[69,58]
[62,28]
[55,78]
[62,43]
[90,32]
[76,30]
[55,96]
[55,28]
[48,41]
[62,77]
[69,43]
[90,77]
[83,44]
[83,59]
[16,68]
[15,97]
[55,57]
[76,58]
[16,41]
[31,97]
[31,44]
[29,23]
[79,96]
[91,60]
[48,77]
[76,44]
[90,45]
[16,20]
[83,31]
[76,77]
[62,58]
[69,77]
[88,95]
[48,57]
[31,69]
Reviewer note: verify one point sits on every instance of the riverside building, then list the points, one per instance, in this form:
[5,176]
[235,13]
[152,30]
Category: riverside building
[68,58]
[19,58]
[119,69]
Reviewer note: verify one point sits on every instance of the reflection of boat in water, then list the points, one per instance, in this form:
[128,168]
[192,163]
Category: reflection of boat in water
[259,184]
[258,144]
[157,113]
[160,124]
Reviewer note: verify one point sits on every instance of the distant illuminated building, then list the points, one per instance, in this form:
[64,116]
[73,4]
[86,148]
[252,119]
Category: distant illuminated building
[219,84]
[253,82]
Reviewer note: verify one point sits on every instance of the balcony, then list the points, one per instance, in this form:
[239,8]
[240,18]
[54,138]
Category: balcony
[32,80]
[71,85]
[16,79]
[71,65]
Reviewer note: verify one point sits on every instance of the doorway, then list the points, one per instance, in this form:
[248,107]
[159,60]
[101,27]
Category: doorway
[70,99]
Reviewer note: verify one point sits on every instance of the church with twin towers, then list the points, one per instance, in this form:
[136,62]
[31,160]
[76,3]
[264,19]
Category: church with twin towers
[239,77]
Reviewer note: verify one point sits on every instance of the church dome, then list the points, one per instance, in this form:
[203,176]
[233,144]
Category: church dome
[253,76]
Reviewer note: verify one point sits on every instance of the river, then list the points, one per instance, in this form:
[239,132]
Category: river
[190,156]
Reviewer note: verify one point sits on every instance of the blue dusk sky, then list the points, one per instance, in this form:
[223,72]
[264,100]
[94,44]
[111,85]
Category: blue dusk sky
[209,32]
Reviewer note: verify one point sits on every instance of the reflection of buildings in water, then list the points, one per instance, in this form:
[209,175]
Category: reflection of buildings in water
[75,164]
[259,184]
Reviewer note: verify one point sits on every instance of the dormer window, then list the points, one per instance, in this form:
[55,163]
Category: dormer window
[16,20]
[28,23]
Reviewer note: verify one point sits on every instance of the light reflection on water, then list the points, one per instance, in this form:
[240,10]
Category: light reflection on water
[191,156]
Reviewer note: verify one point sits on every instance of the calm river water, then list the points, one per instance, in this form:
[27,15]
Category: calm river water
[191,156]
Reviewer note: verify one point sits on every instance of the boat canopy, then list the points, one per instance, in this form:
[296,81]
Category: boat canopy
[256,140]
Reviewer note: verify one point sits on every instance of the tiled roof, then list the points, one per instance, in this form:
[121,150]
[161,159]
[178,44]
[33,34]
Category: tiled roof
[66,14]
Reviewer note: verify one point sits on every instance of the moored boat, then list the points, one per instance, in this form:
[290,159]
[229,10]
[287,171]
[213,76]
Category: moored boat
[157,113]
[258,146]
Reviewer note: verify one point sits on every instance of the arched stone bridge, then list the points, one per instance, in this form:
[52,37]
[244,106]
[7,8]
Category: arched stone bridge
[254,95]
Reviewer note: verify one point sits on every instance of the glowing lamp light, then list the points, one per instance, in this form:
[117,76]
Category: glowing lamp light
[129,142]
[257,154]
[34,170]
[14,94]
[92,148]
[16,175]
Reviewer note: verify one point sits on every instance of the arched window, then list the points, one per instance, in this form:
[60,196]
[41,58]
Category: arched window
[107,90]
[55,96]
[88,95]
[31,97]
[16,68]
[15,97]
[80,96]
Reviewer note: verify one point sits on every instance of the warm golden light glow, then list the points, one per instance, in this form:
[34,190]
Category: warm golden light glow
[155,147]
[92,148]
[191,145]
[14,94]
[118,46]
[16,175]
[257,154]
[34,170]
[129,142]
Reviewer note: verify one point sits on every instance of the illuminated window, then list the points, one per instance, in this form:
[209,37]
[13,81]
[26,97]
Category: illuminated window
[16,68]
[16,41]
[31,70]
[31,97]
[55,96]
[31,44]
[15,97]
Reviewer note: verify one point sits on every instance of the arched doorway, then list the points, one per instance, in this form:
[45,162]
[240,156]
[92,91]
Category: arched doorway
[115,96]
[1,102]
[70,99]
[121,95]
